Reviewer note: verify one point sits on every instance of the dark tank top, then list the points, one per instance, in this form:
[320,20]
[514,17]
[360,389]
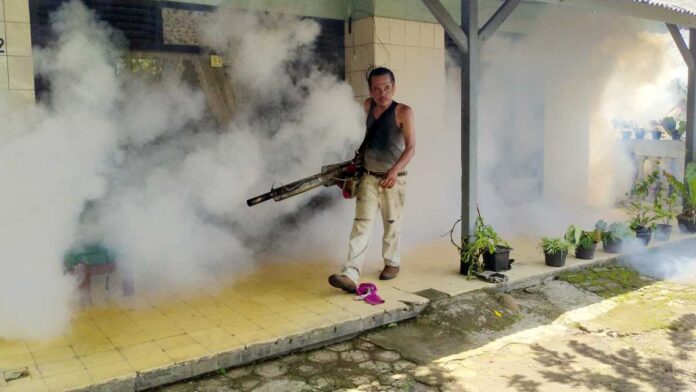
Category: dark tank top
[385,141]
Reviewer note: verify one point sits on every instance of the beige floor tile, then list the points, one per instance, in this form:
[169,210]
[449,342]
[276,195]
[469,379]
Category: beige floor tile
[134,303]
[193,351]
[240,327]
[92,346]
[41,345]
[224,316]
[68,381]
[129,339]
[364,309]
[14,361]
[267,299]
[320,306]
[195,326]
[259,336]
[163,322]
[112,371]
[339,316]
[251,311]
[175,341]
[149,318]
[150,361]
[281,326]
[139,350]
[13,347]
[102,358]
[53,354]
[161,333]
[269,320]
[120,328]
[60,367]
[172,307]
[216,339]
[77,337]
[284,305]
[31,386]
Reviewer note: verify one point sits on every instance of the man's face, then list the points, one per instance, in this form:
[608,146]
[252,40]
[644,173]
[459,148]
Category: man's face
[382,90]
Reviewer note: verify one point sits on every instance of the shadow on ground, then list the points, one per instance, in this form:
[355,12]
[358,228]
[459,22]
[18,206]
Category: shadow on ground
[624,370]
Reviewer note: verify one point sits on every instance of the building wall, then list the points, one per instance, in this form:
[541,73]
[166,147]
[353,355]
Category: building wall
[16,64]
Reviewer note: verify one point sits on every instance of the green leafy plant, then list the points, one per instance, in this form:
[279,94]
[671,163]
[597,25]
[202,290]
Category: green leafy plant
[552,246]
[681,128]
[581,238]
[687,190]
[665,203]
[641,214]
[669,124]
[483,239]
[614,231]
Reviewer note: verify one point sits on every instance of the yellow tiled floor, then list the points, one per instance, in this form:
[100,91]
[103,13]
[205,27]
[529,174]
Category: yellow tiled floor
[146,332]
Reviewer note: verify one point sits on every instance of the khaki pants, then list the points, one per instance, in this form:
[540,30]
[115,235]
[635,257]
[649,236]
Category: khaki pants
[370,198]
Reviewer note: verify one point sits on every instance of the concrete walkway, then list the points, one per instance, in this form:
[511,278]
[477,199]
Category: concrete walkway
[146,341]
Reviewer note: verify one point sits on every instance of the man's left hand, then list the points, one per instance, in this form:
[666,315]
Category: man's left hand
[390,179]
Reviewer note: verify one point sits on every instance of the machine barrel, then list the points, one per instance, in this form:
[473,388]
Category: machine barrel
[327,177]
[288,190]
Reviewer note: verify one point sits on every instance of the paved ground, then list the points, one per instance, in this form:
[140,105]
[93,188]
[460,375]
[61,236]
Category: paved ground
[604,329]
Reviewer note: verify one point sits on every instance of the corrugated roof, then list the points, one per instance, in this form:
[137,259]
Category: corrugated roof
[682,6]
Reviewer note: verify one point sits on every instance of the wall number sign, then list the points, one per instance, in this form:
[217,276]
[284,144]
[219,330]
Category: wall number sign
[2,45]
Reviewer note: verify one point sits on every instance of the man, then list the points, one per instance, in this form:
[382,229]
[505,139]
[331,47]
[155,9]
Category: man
[389,145]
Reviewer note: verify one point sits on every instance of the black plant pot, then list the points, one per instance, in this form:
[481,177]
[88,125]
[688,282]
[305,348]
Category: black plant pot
[640,135]
[686,224]
[656,135]
[464,268]
[585,253]
[612,245]
[555,260]
[662,232]
[644,234]
[498,261]
[675,135]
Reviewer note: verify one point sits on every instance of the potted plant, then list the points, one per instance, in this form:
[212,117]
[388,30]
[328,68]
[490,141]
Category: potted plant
[613,235]
[665,203]
[555,250]
[687,190]
[655,132]
[484,243]
[640,133]
[641,214]
[585,242]
[623,126]
[670,126]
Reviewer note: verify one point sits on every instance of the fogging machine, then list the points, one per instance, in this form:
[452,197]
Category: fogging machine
[346,175]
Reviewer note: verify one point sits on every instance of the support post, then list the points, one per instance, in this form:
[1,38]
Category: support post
[469,106]
[448,23]
[691,101]
[497,19]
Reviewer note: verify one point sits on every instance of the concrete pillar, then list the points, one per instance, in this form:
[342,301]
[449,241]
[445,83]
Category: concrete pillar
[415,51]
[16,63]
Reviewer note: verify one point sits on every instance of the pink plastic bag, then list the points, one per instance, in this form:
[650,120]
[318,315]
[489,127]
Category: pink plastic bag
[368,293]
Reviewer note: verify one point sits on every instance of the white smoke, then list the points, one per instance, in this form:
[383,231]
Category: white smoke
[549,155]
[51,163]
[140,168]
[676,263]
